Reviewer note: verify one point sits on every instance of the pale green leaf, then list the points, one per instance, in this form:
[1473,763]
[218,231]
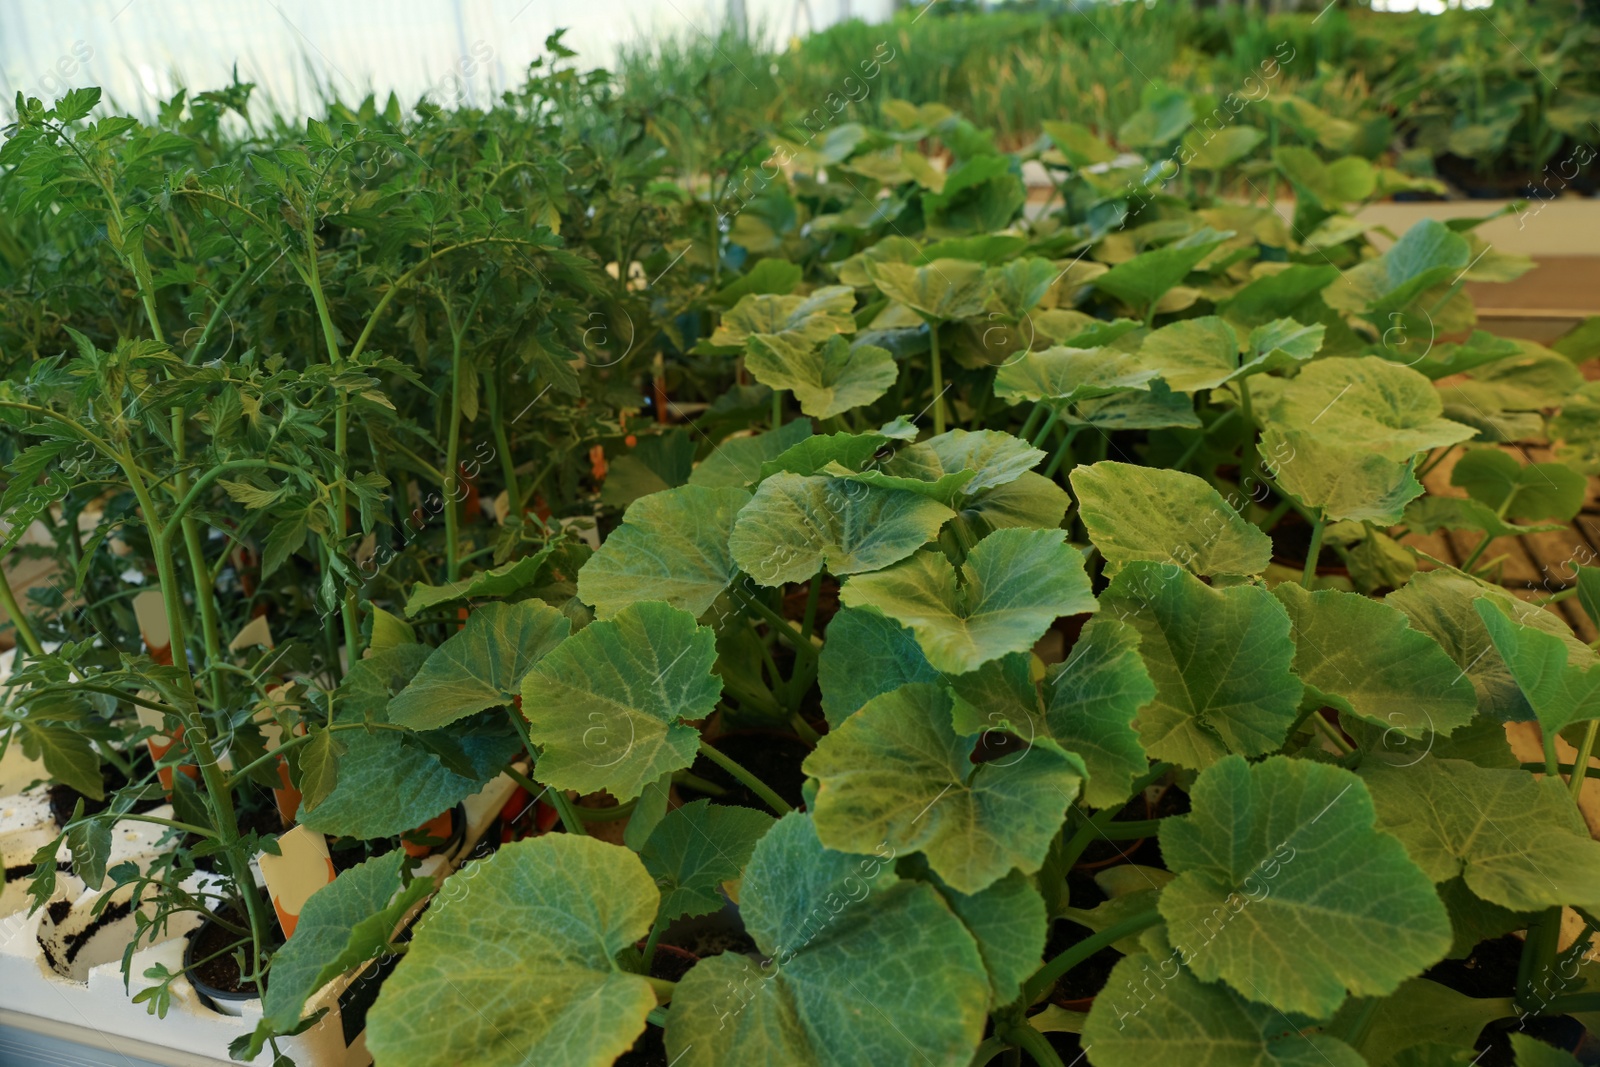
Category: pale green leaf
[808,319]
[1559,691]
[1090,704]
[607,705]
[736,462]
[796,525]
[1518,841]
[1071,374]
[516,962]
[942,291]
[1359,656]
[1220,659]
[481,666]
[671,546]
[1285,852]
[896,772]
[1342,479]
[1168,516]
[865,968]
[1012,586]
[1379,405]
[827,380]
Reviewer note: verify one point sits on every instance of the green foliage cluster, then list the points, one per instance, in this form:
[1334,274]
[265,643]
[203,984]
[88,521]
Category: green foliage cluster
[545,456]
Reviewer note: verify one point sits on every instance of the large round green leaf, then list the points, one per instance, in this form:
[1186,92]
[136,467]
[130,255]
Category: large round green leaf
[1167,516]
[1379,406]
[1147,1018]
[862,969]
[1358,655]
[942,291]
[1090,704]
[1071,374]
[866,654]
[827,380]
[1014,584]
[480,667]
[1220,659]
[671,546]
[1285,853]
[1559,692]
[797,525]
[1518,841]
[607,705]
[896,772]
[1343,480]
[388,782]
[802,319]
[695,849]
[515,962]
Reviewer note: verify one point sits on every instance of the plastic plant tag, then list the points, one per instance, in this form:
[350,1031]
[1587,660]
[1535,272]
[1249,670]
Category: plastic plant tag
[302,867]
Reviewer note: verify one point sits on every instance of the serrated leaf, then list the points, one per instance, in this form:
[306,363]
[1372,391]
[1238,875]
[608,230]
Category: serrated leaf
[996,457]
[1145,278]
[827,381]
[851,948]
[1193,354]
[1560,692]
[1517,491]
[944,290]
[388,782]
[282,541]
[1432,513]
[1072,374]
[671,546]
[1220,660]
[1531,1052]
[695,849]
[1167,516]
[1516,840]
[1190,1021]
[866,654]
[89,841]
[553,911]
[1381,406]
[1091,701]
[1443,605]
[341,926]
[607,705]
[502,581]
[1359,656]
[810,319]
[1013,585]
[1301,835]
[896,772]
[390,630]
[319,767]
[1343,480]
[1009,923]
[796,525]
[481,666]
[737,461]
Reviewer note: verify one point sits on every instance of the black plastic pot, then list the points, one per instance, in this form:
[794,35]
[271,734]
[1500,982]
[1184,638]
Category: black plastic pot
[224,1001]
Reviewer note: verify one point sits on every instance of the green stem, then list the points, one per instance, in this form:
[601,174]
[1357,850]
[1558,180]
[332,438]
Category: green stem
[1131,830]
[662,987]
[1046,976]
[991,1047]
[1248,461]
[8,600]
[502,444]
[1466,564]
[1580,762]
[1031,423]
[569,818]
[1552,763]
[649,954]
[1049,424]
[1315,550]
[1327,730]
[803,728]
[1033,1043]
[1061,451]
[698,784]
[777,408]
[750,781]
[812,596]
[1573,1004]
[938,380]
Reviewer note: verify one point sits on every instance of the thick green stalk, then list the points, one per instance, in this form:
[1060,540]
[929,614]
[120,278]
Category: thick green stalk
[1314,551]
[1580,762]
[341,439]
[1046,976]
[452,465]
[502,445]
[938,380]
[1033,1043]
[8,600]
[754,784]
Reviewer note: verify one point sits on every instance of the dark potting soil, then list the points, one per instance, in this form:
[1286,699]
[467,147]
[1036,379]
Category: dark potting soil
[772,757]
[650,1050]
[1144,851]
[222,973]
[1291,540]
[1489,971]
[64,798]
[1088,977]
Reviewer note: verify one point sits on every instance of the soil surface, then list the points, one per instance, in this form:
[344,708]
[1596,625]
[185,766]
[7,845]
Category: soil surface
[222,972]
